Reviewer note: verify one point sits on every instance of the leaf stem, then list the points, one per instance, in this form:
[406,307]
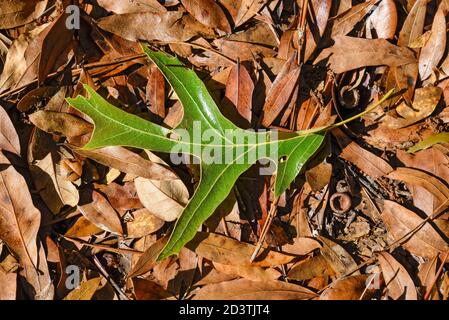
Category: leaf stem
[343,122]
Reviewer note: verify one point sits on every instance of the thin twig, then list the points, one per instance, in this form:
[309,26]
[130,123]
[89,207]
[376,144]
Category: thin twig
[105,274]
[265,228]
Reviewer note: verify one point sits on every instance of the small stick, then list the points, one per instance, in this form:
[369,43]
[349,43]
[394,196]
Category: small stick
[265,229]
[105,274]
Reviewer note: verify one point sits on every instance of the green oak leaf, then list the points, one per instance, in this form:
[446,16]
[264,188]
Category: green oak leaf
[203,133]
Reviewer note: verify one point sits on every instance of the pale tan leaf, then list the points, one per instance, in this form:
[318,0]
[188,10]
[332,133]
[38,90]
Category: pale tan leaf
[9,140]
[55,189]
[143,223]
[425,101]
[435,47]
[164,199]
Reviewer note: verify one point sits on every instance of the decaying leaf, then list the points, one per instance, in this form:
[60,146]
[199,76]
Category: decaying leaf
[400,221]
[85,291]
[397,280]
[242,289]
[433,50]
[9,140]
[349,53]
[17,13]
[226,250]
[349,288]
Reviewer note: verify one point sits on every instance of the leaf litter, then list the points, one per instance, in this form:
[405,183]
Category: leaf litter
[356,212]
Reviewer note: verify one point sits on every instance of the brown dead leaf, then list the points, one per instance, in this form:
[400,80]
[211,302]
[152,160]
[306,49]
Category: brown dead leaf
[242,289]
[420,178]
[301,246]
[426,242]
[435,47]
[9,140]
[164,199]
[149,290]
[16,65]
[170,26]
[18,229]
[229,251]
[55,45]
[239,91]
[82,228]
[427,274]
[122,7]
[414,23]
[208,12]
[143,223]
[346,21]
[19,12]
[101,214]
[8,283]
[337,257]
[319,13]
[348,288]
[148,259]
[253,273]
[247,9]
[122,197]
[425,101]
[126,161]
[350,53]
[85,291]
[366,161]
[54,187]
[281,91]
[384,19]
[311,268]
[156,92]
[60,122]
[397,280]
[433,161]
